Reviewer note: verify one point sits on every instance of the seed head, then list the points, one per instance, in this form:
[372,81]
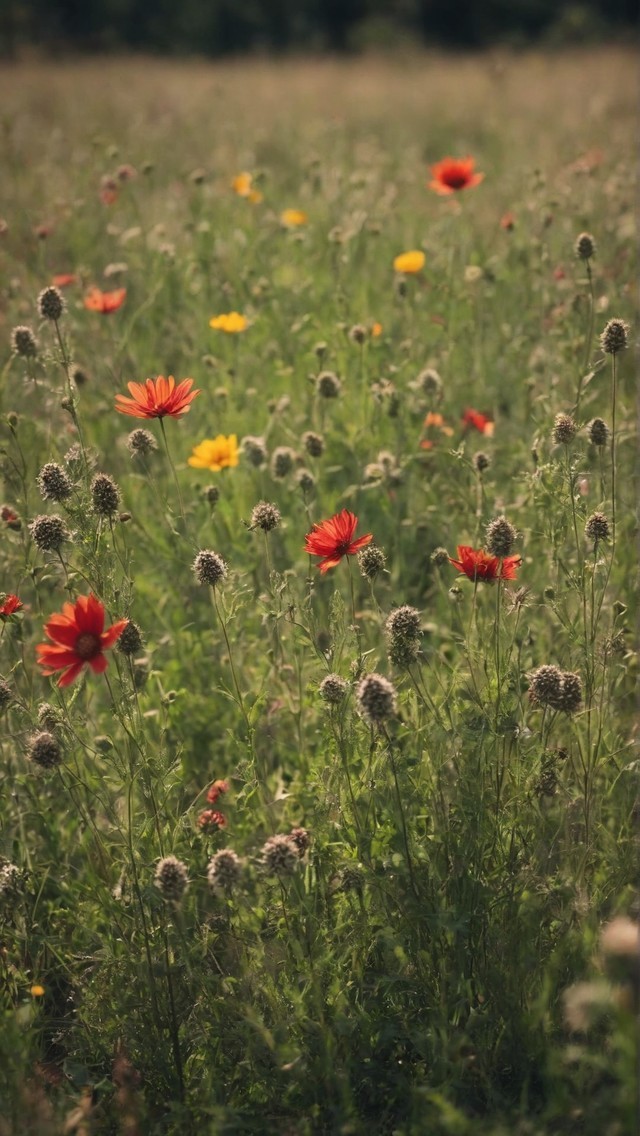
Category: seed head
[49,532]
[171,878]
[621,939]
[481,461]
[24,342]
[371,561]
[585,246]
[212,495]
[305,480]
[352,878]
[333,689]
[403,623]
[130,641]
[79,376]
[500,537]
[439,557]
[615,337]
[597,527]
[6,694]
[209,568]
[320,350]
[44,749]
[564,429]
[313,444]
[105,495]
[141,442]
[570,698]
[280,855]
[54,482]
[376,698]
[282,460]
[429,382]
[224,870]
[301,839]
[545,686]
[265,516]
[12,880]
[255,450]
[49,717]
[328,385]
[598,432]
[358,333]
[402,652]
[51,303]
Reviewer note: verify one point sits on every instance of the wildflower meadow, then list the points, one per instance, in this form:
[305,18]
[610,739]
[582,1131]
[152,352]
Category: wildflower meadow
[318,617]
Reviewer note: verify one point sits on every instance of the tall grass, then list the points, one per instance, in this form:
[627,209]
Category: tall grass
[428,921]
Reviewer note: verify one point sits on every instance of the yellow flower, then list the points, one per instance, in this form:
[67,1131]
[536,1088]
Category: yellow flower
[409,262]
[37,991]
[215,453]
[376,330]
[231,322]
[291,218]
[242,184]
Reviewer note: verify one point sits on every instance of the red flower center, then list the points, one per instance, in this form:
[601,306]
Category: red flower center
[87,645]
[455,178]
[342,547]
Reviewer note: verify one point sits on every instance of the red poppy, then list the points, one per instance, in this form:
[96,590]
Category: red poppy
[481,422]
[64,279]
[78,638]
[480,565]
[453,174]
[333,539]
[105,302]
[157,398]
[216,790]
[211,818]
[10,605]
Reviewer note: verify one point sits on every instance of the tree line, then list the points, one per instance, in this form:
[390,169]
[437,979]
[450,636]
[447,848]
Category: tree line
[220,27]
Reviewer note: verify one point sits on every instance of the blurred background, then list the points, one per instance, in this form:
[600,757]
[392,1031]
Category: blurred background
[224,27]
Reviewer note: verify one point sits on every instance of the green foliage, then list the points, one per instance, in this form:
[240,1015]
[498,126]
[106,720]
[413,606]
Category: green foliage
[427,925]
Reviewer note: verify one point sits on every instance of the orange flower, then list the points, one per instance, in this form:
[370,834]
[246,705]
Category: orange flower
[453,174]
[105,302]
[211,818]
[157,398]
[480,422]
[216,789]
[231,322]
[292,218]
[242,184]
[78,639]
[333,539]
[409,262]
[64,279]
[376,330]
[480,565]
[435,419]
[9,606]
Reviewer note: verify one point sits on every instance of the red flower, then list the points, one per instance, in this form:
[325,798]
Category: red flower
[211,818]
[508,221]
[216,790]
[453,174]
[481,422]
[333,539]
[157,397]
[480,565]
[9,605]
[105,302]
[10,517]
[78,637]
[64,279]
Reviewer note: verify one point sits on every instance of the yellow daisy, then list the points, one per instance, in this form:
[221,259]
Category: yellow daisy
[215,453]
